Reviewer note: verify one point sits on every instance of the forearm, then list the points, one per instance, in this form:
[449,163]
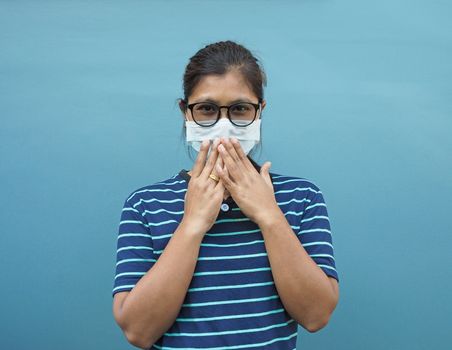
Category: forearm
[303,287]
[154,303]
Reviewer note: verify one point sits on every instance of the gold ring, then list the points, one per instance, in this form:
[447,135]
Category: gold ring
[215,177]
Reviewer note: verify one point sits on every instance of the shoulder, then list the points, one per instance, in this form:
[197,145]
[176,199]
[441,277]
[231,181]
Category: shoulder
[283,183]
[171,185]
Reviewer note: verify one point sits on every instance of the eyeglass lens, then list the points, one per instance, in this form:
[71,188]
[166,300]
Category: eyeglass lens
[206,113]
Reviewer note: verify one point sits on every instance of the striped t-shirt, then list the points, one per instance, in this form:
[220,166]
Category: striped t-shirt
[232,301]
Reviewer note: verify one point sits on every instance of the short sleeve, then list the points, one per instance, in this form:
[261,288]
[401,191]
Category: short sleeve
[315,233]
[134,254]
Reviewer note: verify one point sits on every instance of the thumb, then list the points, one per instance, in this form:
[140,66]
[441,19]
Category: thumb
[264,171]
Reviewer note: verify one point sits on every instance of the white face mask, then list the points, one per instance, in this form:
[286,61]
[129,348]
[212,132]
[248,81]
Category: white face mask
[248,136]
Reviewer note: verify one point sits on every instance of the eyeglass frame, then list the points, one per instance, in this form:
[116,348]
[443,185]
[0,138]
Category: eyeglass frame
[255,105]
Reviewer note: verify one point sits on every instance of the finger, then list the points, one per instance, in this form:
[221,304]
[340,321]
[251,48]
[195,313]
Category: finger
[265,172]
[230,148]
[241,153]
[201,158]
[211,161]
[220,185]
[223,166]
[230,163]
[224,176]
[219,162]
[232,152]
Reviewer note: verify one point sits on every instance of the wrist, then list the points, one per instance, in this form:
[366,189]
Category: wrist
[189,227]
[270,218]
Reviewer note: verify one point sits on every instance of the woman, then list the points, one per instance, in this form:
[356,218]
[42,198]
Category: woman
[226,255]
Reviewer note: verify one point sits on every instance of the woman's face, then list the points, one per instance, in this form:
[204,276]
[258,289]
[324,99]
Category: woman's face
[223,90]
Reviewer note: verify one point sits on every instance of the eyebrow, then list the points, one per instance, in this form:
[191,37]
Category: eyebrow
[216,101]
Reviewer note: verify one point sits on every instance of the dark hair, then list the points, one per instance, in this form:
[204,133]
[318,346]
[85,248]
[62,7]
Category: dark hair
[219,58]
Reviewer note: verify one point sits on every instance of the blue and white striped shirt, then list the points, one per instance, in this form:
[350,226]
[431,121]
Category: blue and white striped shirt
[232,301]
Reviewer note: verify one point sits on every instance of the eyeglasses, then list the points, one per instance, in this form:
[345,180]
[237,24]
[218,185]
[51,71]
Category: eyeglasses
[240,114]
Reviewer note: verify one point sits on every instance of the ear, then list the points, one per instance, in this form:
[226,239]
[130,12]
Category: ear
[181,103]
[263,104]
[182,107]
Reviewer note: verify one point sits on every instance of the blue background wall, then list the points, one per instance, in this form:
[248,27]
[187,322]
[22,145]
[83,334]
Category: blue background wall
[359,101]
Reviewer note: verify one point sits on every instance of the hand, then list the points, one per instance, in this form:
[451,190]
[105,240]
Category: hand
[204,195]
[252,191]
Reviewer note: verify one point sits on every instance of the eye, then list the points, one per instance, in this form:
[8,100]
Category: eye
[206,107]
[241,108]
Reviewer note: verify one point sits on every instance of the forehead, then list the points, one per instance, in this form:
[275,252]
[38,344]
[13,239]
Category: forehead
[223,88]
